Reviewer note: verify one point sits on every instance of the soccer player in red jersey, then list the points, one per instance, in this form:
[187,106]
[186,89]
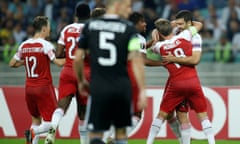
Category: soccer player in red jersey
[180,73]
[182,130]
[68,84]
[36,54]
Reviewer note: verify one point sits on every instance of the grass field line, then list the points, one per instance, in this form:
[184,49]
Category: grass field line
[76,141]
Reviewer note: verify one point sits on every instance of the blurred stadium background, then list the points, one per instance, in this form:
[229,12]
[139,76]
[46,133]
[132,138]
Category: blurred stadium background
[221,46]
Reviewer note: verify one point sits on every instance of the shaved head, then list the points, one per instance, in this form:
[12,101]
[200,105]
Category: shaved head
[119,7]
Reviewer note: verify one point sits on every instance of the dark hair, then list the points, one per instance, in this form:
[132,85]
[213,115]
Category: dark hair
[163,26]
[135,17]
[97,12]
[39,22]
[82,11]
[185,14]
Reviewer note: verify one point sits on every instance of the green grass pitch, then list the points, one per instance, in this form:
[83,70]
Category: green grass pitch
[76,141]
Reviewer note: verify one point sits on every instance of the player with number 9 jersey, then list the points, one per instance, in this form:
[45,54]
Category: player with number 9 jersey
[183,82]
[180,75]
[178,46]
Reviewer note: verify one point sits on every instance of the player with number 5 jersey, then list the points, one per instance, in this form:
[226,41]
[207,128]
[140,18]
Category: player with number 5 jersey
[111,42]
[36,54]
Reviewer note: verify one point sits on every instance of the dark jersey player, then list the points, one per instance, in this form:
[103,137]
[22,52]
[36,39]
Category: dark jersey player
[111,43]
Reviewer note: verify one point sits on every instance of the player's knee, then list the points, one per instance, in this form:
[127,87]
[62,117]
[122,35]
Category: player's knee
[202,116]
[170,116]
[162,115]
[64,103]
[183,117]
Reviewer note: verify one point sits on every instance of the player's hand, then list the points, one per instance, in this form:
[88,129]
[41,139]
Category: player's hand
[142,100]
[173,23]
[83,88]
[155,36]
[168,58]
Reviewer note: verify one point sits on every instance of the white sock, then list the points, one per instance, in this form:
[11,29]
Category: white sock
[42,128]
[135,121]
[186,133]
[108,134]
[36,137]
[154,130]
[84,139]
[56,117]
[180,140]
[208,131]
[175,126]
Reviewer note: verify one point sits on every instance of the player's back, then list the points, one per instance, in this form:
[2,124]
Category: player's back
[178,47]
[35,53]
[69,38]
[108,42]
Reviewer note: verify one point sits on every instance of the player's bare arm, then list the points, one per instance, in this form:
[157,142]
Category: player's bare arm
[197,25]
[15,64]
[189,60]
[78,68]
[138,69]
[60,51]
[59,61]
[149,62]
[147,59]
[149,43]
[78,64]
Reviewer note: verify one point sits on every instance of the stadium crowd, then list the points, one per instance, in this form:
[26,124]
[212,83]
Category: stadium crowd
[220,32]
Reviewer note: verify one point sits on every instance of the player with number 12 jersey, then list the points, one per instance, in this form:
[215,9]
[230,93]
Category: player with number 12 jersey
[37,54]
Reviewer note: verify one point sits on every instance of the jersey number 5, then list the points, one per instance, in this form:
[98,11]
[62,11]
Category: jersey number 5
[106,45]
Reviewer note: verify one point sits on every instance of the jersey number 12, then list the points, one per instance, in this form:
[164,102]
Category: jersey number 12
[31,69]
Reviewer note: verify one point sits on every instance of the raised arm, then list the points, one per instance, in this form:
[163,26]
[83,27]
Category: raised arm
[60,51]
[197,25]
